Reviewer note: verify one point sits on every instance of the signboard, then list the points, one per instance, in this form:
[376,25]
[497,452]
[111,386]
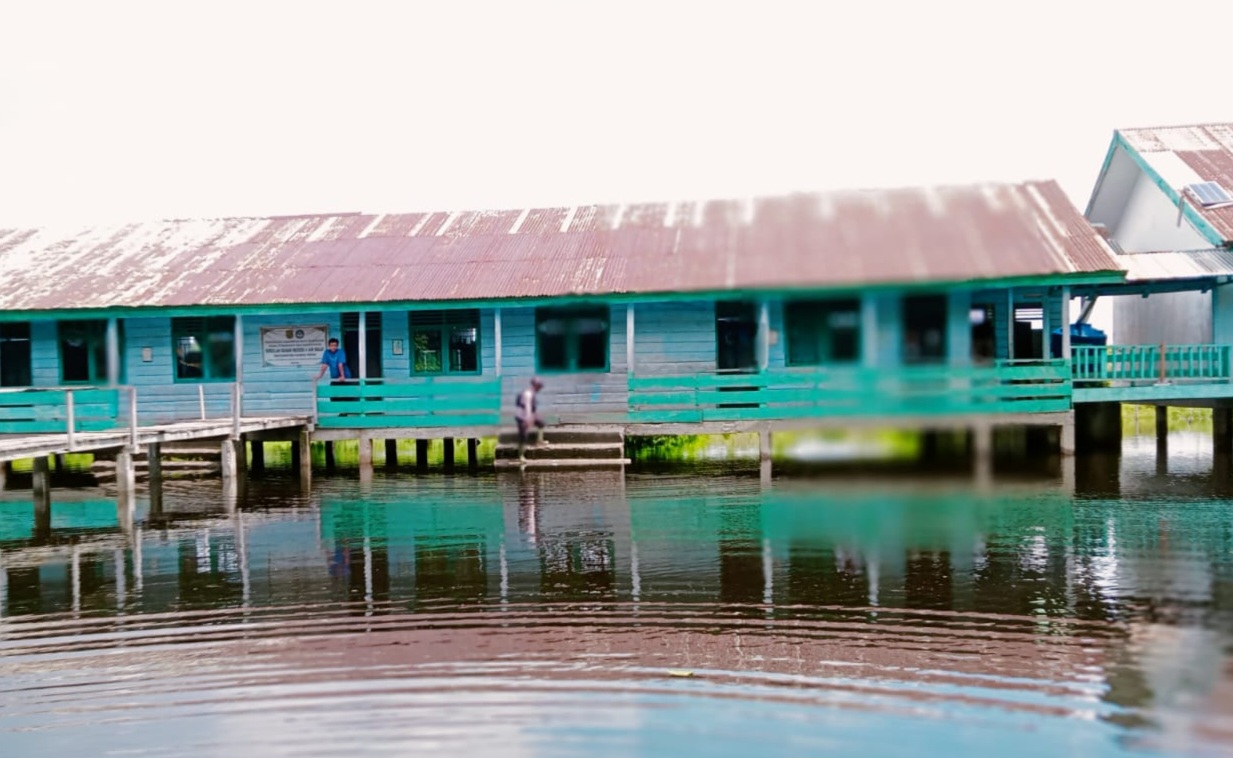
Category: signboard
[293,345]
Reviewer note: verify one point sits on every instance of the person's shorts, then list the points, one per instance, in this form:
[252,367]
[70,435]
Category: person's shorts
[524,425]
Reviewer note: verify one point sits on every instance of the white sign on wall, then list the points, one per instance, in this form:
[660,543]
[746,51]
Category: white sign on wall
[293,345]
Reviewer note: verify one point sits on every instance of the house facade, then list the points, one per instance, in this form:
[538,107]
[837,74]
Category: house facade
[697,316]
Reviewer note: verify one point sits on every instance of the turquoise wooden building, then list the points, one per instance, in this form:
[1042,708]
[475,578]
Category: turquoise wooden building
[914,307]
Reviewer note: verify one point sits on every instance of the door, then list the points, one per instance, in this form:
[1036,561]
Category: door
[736,330]
[351,343]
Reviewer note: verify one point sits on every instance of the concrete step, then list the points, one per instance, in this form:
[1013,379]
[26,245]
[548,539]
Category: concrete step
[565,435]
[506,464]
[565,450]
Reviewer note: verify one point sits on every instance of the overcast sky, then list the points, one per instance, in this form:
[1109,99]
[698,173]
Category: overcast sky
[136,110]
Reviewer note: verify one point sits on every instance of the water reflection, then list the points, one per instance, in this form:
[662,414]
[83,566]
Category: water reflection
[558,610]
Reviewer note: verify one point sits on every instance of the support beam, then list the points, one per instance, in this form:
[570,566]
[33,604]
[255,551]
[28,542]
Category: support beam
[1010,324]
[629,338]
[258,452]
[1066,440]
[227,457]
[154,461]
[1046,338]
[302,448]
[764,445]
[365,452]
[762,342]
[42,499]
[496,339]
[239,366]
[362,370]
[126,488]
[869,330]
[472,453]
[112,339]
[982,453]
[447,445]
[1065,323]
[421,455]
[1222,431]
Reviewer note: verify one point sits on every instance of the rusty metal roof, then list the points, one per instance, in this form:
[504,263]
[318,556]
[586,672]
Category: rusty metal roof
[833,240]
[1188,154]
[1189,264]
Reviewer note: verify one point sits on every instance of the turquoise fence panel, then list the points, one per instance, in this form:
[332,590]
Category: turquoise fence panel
[46,411]
[414,403]
[1002,387]
[1150,363]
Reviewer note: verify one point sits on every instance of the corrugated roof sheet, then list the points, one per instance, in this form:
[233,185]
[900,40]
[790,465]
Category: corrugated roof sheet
[798,241]
[1205,150]
[1191,264]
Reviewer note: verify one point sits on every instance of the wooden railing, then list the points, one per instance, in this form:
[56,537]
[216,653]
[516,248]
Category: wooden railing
[1003,387]
[435,402]
[62,410]
[1144,363]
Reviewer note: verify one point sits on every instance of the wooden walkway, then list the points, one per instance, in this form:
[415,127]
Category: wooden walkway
[18,446]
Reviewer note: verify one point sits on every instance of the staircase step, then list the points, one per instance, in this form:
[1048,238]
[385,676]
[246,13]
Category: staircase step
[531,464]
[565,450]
[510,436]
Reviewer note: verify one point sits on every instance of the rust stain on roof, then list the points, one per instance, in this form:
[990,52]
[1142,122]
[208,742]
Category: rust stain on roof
[1206,149]
[834,240]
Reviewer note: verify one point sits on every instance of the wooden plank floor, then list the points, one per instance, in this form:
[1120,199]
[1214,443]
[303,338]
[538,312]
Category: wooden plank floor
[14,447]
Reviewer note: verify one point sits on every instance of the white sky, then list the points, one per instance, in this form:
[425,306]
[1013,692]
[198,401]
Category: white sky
[125,110]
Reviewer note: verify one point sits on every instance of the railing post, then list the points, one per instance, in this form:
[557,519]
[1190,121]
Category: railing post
[316,402]
[72,434]
[235,411]
[132,417]
[201,400]
[1162,363]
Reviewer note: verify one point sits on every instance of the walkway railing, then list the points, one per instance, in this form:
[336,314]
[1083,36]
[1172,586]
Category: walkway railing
[1002,387]
[434,402]
[1158,363]
[58,410]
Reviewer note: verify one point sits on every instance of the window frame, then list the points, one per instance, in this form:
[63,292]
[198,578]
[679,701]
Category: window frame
[180,328]
[821,310]
[94,331]
[442,322]
[572,315]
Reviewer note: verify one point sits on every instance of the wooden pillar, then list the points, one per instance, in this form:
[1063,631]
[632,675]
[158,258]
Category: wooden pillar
[448,452]
[1222,431]
[762,341]
[227,457]
[1010,324]
[361,371]
[1162,439]
[1046,325]
[1066,440]
[258,452]
[496,341]
[302,448]
[126,488]
[329,456]
[5,467]
[629,339]
[869,330]
[365,452]
[472,453]
[1065,323]
[154,461]
[42,499]
[982,453]
[764,445]
[421,455]
[112,341]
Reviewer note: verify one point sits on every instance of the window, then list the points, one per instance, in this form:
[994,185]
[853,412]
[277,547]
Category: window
[827,331]
[572,338]
[204,348]
[445,342]
[15,354]
[924,329]
[83,351]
